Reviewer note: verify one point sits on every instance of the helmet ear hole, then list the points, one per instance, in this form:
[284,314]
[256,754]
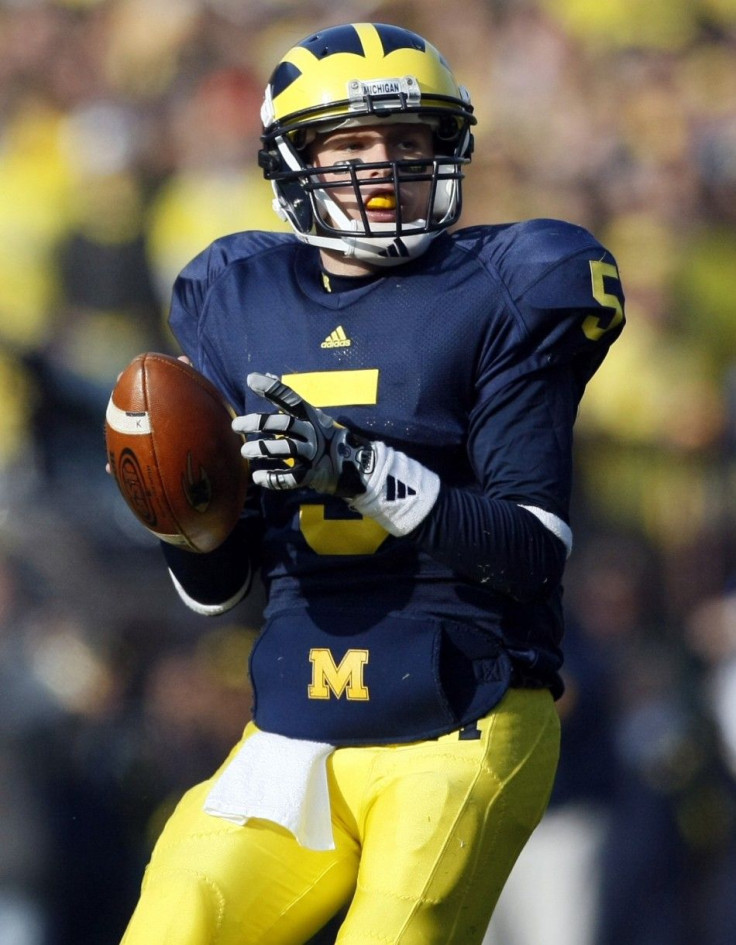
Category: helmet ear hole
[448,130]
[269,162]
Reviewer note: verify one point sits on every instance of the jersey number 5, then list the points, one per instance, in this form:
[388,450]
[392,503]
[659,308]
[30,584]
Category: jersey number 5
[327,528]
[604,276]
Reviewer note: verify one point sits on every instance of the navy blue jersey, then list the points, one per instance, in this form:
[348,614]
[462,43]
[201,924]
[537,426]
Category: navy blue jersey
[471,360]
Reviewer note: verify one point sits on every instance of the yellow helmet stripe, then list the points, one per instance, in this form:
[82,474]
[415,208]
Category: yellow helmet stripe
[372,45]
[300,56]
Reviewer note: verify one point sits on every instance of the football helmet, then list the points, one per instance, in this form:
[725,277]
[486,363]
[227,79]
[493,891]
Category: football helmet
[364,74]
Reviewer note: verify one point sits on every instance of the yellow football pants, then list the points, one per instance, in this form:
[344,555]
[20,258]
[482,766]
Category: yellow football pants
[426,835]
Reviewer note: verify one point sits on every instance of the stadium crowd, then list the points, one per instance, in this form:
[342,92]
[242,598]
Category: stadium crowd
[128,132]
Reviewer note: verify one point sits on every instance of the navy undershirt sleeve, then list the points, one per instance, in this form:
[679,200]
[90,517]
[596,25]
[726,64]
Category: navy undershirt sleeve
[494,542]
[520,450]
[217,576]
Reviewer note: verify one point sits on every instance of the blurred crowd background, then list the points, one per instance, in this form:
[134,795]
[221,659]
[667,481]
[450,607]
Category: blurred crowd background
[128,133]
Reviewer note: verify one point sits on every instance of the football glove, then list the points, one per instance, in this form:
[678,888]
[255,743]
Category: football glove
[317,453]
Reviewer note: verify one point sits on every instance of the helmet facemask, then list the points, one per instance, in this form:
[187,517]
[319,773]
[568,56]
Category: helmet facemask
[305,197]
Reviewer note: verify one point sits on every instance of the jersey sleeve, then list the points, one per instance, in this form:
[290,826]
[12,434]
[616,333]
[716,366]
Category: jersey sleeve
[190,296]
[565,305]
[215,582]
[566,308]
[188,307]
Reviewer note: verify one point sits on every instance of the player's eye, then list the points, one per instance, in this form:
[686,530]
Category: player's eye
[414,145]
[351,146]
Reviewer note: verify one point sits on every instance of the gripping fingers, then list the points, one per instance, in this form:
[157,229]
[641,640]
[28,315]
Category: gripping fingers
[278,479]
[289,437]
[283,397]
[264,423]
[282,448]
[299,432]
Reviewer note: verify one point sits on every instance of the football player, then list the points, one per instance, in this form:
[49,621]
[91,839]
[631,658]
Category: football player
[407,395]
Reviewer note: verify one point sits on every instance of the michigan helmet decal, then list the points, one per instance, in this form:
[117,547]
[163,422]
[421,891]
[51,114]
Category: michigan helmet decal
[364,74]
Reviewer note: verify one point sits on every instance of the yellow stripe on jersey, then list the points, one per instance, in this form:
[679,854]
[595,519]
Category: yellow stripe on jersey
[338,536]
[336,388]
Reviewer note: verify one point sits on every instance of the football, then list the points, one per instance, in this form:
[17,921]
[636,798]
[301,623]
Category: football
[173,453]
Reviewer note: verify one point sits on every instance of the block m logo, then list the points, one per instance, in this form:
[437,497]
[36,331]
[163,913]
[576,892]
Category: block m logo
[347,677]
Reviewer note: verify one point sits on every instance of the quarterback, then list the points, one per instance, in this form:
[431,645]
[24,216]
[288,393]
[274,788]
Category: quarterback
[407,394]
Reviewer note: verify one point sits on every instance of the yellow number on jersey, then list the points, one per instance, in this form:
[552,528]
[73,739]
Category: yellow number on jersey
[595,327]
[349,535]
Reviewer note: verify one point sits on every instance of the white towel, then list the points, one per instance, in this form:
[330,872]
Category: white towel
[280,779]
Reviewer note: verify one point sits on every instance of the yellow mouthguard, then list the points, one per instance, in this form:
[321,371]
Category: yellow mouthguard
[385,202]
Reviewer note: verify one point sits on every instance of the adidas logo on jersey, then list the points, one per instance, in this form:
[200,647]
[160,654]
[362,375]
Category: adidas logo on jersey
[336,339]
[395,489]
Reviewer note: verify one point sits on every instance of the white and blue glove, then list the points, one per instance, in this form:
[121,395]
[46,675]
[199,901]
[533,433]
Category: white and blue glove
[373,478]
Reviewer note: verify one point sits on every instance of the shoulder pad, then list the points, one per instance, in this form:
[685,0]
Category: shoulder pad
[195,279]
[234,248]
[524,252]
[564,289]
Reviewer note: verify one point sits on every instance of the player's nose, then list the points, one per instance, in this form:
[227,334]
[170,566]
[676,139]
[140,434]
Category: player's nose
[379,152]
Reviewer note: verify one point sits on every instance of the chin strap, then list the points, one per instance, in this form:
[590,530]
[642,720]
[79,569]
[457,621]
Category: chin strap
[380,251]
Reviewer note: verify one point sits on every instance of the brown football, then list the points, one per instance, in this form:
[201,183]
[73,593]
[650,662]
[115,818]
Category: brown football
[173,454]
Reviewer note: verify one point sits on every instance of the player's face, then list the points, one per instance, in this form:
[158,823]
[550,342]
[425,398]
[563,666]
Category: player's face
[369,145]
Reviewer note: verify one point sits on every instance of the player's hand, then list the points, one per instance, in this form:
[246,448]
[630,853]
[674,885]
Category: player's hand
[315,452]
[321,454]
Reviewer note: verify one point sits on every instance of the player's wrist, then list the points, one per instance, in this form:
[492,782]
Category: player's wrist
[399,491]
[353,457]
